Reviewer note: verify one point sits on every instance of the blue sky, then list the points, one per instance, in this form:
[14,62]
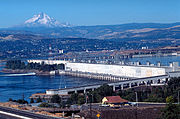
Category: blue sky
[91,12]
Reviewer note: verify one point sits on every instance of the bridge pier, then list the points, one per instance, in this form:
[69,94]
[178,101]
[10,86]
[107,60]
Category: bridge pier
[129,85]
[167,79]
[114,88]
[146,82]
[72,115]
[75,91]
[161,80]
[63,114]
[138,83]
[84,91]
[155,81]
[122,86]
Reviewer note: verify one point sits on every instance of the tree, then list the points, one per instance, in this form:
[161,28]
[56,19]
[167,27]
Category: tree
[74,98]
[55,99]
[10,99]
[171,111]
[169,100]
[22,101]
[81,99]
[96,97]
[154,98]
[62,104]
[38,100]
[44,104]
[18,64]
[32,100]
[105,90]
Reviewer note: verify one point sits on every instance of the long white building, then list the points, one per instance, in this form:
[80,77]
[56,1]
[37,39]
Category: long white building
[138,71]
[117,70]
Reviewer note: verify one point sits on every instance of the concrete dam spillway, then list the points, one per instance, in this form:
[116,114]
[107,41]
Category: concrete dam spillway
[121,75]
[23,74]
[115,70]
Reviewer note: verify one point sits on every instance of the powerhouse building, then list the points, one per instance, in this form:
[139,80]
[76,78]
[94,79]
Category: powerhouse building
[136,71]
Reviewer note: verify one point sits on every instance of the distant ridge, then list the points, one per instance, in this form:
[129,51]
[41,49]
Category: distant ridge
[43,20]
[43,25]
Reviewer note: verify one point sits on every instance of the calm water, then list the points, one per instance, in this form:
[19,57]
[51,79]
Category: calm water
[154,60]
[17,86]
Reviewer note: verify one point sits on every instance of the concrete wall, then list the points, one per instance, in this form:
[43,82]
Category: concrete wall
[48,61]
[118,70]
[53,92]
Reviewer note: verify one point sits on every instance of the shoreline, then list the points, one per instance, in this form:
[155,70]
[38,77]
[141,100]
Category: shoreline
[20,71]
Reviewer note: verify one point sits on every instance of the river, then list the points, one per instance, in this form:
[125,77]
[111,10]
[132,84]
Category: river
[17,87]
[154,60]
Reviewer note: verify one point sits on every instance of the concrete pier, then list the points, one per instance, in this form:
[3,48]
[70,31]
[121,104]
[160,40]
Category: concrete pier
[99,76]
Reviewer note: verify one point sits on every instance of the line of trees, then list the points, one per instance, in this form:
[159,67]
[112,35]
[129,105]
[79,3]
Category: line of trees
[18,64]
[20,101]
[79,98]
[92,96]
[145,94]
[54,99]
[153,94]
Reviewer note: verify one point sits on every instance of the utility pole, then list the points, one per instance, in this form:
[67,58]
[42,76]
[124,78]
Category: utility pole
[92,98]
[91,105]
[86,97]
[178,96]
[23,96]
[23,89]
[136,105]
[136,98]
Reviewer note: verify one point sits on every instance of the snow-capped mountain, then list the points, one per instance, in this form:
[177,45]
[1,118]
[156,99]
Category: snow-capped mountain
[43,20]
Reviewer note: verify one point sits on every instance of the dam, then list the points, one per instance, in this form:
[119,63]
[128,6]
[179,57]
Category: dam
[121,76]
[113,71]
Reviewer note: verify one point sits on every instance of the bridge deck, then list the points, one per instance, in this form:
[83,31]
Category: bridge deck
[110,84]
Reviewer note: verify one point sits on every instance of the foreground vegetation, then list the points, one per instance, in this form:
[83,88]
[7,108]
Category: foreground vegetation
[18,64]
[167,94]
[145,94]
[20,101]
[171,111]
[153,94]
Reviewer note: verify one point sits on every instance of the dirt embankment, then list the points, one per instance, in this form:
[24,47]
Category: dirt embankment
[125,113]
[19,71]
[37,110]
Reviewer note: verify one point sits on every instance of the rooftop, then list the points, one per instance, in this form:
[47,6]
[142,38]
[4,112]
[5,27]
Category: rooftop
[115,99]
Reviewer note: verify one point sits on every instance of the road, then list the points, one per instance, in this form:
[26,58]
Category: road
[9,113]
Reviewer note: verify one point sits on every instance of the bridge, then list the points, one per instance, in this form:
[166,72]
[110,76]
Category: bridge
[124,83]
